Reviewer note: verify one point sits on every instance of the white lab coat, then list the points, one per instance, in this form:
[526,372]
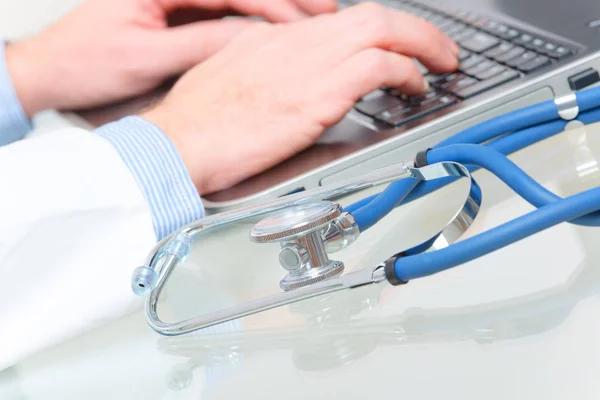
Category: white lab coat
[73,227]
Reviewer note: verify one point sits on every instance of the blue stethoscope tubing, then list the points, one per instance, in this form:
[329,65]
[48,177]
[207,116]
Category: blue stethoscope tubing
[485,146]
[425,264]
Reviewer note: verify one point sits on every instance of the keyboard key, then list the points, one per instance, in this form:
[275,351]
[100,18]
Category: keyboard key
[464,34]
[420,112]
[433,17]
[480,23]
[482,66]
[471,18]
[509,55]
[444,80]
[522,59]
[479,42]
[524,39]
[559,53]
[444,23]
[459,14]
[487,84]
[501,31]
[513,33]
[449,83]
[471,62]
[433,79]
[395,112]
[490,72]
[460,84]
[502,28]
[498,50]
[550,47]
[396,93]
[375,105]
[457,30]
[490,26]
[373,94]
[463,54]
[538,43]
[422,98]
[535,64]
[454,28]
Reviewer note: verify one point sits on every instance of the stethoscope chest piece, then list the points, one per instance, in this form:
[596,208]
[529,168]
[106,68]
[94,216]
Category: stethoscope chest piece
[302,232]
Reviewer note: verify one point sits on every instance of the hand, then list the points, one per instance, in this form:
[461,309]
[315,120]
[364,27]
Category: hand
[108,50]
[274,90]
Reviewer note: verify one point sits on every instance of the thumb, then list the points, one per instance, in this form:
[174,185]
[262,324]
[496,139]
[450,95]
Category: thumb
[183,47]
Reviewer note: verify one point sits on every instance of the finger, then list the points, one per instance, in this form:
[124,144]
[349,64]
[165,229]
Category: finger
[272,10]
[181,48]
[372,25]
[453,46]
[315,7]
[374,68]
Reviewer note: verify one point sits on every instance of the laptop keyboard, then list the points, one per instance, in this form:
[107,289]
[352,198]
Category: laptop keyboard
[491,54]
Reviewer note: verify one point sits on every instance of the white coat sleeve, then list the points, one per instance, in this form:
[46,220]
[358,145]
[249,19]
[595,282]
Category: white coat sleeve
[74,224]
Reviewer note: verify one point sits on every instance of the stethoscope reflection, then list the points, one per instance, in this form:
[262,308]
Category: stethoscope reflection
[221,348]
[334,334]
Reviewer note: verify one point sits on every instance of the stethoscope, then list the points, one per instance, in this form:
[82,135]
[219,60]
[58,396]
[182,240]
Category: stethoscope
[311,225]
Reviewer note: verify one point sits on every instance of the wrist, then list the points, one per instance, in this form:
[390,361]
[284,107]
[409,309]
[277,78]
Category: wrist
[28,74]
[158,170]
[189,147]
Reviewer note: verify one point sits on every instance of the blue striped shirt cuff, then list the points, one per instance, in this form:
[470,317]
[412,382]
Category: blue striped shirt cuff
[14,124]
[158,170]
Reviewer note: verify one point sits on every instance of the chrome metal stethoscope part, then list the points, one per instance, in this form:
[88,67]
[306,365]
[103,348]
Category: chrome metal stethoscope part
[302,233]
[309,226]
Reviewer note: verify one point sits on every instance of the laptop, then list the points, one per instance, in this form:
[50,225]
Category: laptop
[514,53]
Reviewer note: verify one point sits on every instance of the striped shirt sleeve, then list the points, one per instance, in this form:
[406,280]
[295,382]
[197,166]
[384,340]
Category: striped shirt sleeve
[159,171]
[14,124]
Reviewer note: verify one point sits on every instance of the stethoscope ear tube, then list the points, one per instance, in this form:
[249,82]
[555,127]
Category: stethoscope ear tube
[508,172]
[421,265]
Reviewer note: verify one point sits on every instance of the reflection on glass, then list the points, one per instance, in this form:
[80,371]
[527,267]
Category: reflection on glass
[340,329]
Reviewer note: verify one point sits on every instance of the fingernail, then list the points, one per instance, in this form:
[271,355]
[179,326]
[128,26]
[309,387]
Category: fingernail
[425,85]
[453,47]
[453,55]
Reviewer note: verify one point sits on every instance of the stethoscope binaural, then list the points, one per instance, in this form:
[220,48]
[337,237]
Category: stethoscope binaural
[310,226]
